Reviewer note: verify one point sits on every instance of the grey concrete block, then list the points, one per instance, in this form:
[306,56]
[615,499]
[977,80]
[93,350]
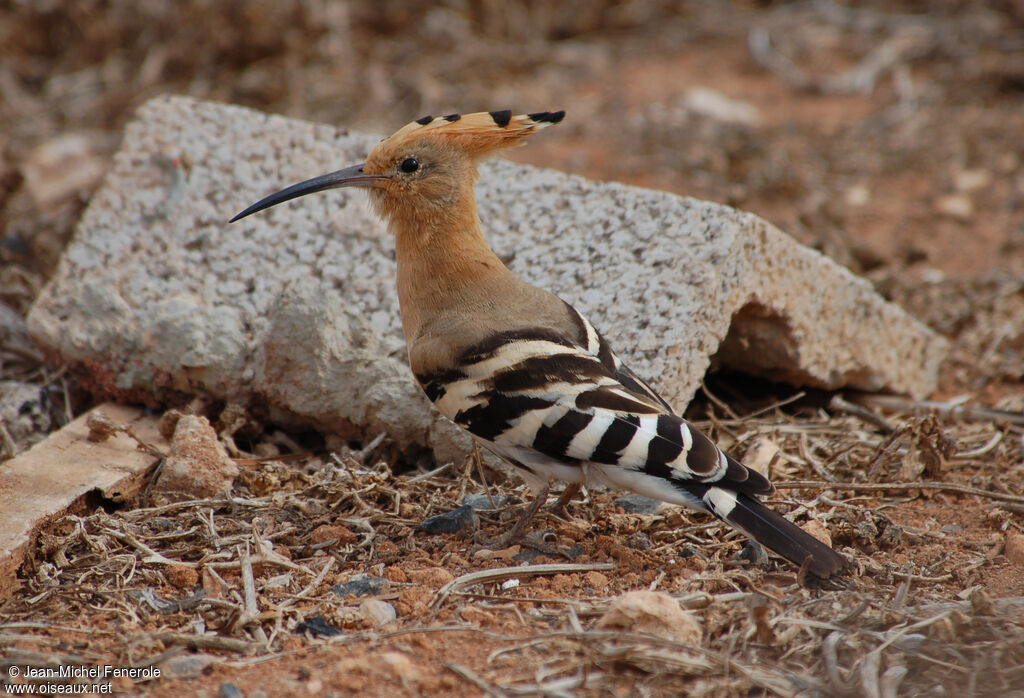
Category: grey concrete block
[296,309]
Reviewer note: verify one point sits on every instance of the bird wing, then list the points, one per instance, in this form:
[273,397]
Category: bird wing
[550,403]
[538,390]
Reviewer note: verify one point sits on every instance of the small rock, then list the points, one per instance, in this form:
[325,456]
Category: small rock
[755,553]
[477,615]
[1014,547]
[394,573]
[433,577]
[326,532]
[58,168]
[100,426]
[401,666]
[652,612]
[531,554]
[957,206]
[317,626]
[760,455]
[197,464]
[973,180]
[637,504]
[24,412]
[451,521]
[857,195]
[360,585]
[818,530]
[715,105]
[508,553]
[638,541]
[229,690]
[181,576]
[212,586]
[168,423]
[483,502]
[377,612]
[186,666]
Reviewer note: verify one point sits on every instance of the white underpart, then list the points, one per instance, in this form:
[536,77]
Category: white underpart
[617,477]
[583,444]
[545,468]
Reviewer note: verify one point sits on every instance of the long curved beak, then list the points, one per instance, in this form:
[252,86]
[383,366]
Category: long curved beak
[348,177]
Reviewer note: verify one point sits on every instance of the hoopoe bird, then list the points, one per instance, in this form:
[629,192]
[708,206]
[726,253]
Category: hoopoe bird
[521,369]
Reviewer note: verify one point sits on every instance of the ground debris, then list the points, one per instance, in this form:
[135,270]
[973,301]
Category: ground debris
[333,553]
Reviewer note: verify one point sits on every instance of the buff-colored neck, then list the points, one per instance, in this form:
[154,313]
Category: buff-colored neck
[441,257]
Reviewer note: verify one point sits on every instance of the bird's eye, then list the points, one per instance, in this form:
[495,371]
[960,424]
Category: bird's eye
[409,165]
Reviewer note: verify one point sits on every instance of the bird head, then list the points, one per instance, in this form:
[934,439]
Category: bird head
[427,165]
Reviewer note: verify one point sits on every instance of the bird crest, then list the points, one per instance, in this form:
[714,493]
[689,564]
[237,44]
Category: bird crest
[478,135]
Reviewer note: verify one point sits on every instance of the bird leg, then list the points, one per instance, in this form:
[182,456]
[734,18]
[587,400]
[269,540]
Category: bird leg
[516,534]
[570,491]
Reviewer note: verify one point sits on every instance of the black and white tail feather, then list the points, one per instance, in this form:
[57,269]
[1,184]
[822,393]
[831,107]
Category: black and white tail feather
[566,407]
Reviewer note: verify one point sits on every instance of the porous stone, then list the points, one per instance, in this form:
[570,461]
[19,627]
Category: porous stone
[295,310]
[197,465]
[653,612]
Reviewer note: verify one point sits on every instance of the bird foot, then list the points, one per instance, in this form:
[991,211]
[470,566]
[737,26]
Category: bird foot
[558,508]
[517,533]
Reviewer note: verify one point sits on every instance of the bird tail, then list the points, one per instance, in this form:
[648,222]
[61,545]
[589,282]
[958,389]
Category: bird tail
[778,534]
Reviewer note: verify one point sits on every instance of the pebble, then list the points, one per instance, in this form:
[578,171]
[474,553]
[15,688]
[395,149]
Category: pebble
[401,666]
[24,411]
[755,553]
[60,167]
[637,504]
[653,612]
[317,626]
[483,502]
[760,455]
[451,521]
[360,585]
[229,690]
[377,612]
[186,666]
[638,541]
[197,464]
[818,530]
[957,206]
[1014,547]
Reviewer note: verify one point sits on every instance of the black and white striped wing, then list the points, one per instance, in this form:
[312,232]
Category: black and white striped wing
[557,410]
[535,391]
